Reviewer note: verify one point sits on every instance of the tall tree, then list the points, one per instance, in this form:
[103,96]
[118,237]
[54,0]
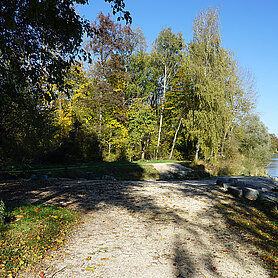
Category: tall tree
[39,41]
[216,85]
[111,48]
[166,53]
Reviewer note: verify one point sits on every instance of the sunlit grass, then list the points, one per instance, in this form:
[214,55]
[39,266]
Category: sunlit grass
[30,233]
[260,225]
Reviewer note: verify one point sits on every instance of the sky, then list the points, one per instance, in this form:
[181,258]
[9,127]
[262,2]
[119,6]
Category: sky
[249,29]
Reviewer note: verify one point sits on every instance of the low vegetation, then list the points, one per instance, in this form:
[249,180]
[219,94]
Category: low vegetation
[259,224]
[94,170]
[29,232]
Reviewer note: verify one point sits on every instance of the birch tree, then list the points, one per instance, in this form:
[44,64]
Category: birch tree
[167,53]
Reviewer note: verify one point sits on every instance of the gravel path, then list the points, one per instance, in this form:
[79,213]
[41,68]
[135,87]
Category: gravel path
[152,229]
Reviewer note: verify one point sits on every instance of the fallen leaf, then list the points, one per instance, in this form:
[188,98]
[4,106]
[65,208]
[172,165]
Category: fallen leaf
[88,258]
[90,268]
[105,259]
[42,275]
[253,253]
[36,209]
[99,265]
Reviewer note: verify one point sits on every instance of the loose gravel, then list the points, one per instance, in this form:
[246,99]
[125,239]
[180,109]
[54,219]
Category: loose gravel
[149,229]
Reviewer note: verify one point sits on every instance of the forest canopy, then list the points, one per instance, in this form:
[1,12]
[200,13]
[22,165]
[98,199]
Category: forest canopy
[114,100]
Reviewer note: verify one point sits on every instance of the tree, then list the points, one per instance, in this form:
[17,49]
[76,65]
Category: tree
[274,143]
[180,100]
[219,98]
[144,81]
[111,48]
[41,38]
[142,125]
[167,55]
[39,41]
[256,143]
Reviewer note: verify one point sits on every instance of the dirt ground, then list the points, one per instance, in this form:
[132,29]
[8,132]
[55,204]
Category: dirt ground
[146,229]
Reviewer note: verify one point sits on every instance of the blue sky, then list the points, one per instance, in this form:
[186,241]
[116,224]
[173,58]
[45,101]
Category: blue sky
[248,28]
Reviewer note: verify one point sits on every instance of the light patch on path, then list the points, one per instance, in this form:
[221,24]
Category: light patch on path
[168,170]
[154,230]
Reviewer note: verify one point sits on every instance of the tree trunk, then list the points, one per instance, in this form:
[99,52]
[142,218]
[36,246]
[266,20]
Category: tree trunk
[229,128]
[223,142]
[145,146]
[60,104]
[109,148]
[197,151]
[161,112]
[142,149]
[175,139]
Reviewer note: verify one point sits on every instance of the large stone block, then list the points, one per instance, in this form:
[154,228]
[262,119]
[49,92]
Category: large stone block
[250,193]
[221,180]
[237,192]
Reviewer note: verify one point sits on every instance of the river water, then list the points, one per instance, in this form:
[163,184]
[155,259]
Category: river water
[272,167]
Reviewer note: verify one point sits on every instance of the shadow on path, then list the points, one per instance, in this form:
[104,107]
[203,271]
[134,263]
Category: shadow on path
[202,244]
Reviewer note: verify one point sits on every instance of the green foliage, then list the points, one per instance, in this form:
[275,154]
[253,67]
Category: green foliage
[187,101]
[274,143]
[142,125]
[39,42]
[256,142]
[32,231]
[210,80]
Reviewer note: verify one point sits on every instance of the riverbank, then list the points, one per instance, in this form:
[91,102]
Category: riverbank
[272,167]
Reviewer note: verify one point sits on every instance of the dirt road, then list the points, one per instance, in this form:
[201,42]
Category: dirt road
[158,229]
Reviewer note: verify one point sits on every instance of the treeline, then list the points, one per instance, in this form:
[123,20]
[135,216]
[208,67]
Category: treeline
[178,101]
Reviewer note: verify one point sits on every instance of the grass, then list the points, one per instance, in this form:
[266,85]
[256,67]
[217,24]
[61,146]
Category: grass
[260,225]
[90,170]
[31,231]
